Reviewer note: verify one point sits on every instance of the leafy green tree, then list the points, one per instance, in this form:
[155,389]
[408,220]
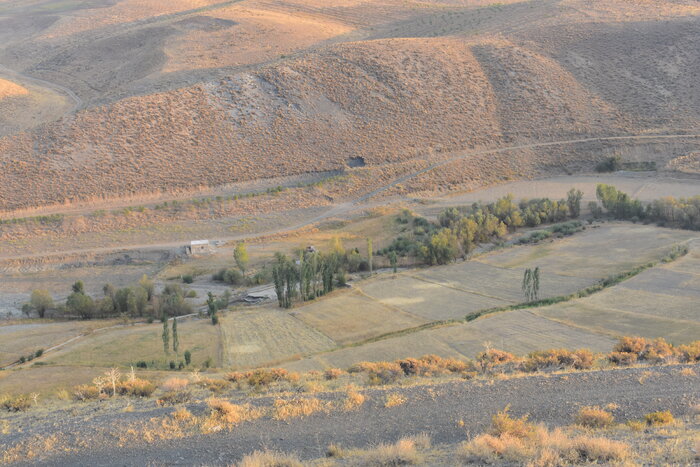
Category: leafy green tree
[370,254]
[41,301]
[573,201]
[148,286]
[78,287]
[166,335]
[393,260]
[81,304]
[240,254]
[176,340]
[188,357]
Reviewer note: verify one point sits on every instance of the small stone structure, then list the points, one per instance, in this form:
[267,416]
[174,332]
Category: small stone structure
[199,247]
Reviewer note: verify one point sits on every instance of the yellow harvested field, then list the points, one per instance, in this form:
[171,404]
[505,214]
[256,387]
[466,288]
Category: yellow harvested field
[10,89]
[123,346]
[518,331]
[264,337]
[598,252]
[17,340]
[429,300]
[352,317]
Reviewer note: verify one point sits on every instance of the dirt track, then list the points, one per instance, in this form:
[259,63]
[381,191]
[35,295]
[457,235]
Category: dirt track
[435,409]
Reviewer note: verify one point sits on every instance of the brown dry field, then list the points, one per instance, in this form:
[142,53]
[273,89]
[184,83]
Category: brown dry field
[197,94]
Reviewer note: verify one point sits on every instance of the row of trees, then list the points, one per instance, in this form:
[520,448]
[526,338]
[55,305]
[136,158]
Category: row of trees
[139,300]
[314,274]
[459,230]
[673,212]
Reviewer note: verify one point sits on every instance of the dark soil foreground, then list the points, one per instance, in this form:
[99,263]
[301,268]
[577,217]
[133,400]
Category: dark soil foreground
[436,409]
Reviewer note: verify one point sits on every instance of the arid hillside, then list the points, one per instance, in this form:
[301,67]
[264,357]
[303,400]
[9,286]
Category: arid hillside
[202,94]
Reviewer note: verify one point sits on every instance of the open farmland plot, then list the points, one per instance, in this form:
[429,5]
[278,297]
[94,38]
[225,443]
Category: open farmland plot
[18,340]
[122,346]
[263,337]
[429,300]
[519,332]
[659,302]
[598,252]
[353,317]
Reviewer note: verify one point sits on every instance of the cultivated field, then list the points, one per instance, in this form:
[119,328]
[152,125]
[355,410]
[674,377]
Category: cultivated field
[123,346]
[263,337]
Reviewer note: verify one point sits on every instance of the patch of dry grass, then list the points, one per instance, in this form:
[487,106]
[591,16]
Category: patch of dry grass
[404,452]
[224,414]
[353,399]
[659,418]
[394,399]
[293,408]
[270,459]
[594,417]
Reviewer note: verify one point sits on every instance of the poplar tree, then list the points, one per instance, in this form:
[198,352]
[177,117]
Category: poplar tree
[176,341]
[166,334]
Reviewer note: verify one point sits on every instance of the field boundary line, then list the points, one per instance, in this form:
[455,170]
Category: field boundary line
[447,286]
[393,308]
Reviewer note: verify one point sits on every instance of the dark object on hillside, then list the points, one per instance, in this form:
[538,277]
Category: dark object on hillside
[356,162]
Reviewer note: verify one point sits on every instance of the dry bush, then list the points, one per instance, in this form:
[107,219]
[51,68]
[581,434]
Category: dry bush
[174,384]
[431,365]
[262,377]
[688,372]
[689,353]
[622,358]
[269,459]
[503,424]
[353,399]
[394,399]
[541,447]
[85,392]
[403,452]
[581,359]
[490,359]
[594,417]
[332,373]
[631,349]
[659,418]
[224,414]
[293,408]
[333,450]
[174,398]
[18,403]
[182,415]
[379,372]
[635,425]
[214,385]
[136,388]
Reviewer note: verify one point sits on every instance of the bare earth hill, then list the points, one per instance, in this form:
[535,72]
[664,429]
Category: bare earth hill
[203,93]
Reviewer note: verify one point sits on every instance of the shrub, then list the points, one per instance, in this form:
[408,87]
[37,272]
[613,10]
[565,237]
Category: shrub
[332,373]
[393,400]
[191,294]
[269,459]
[403,452]
[689,353]
[262,377]
[174,398]
[594,417]
[503,424]
[85,392]
[18,403]
[214,385]
[187,278]
[491,358]
[656,351]
[622,358]
[430,365]
[659,418]
[136,388]
[379,372]
[353,399]
[581,359]
[174,384]
[285,409]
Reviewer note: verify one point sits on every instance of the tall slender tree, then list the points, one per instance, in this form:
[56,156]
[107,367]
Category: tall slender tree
[370,254]
[176,340]
[166,335]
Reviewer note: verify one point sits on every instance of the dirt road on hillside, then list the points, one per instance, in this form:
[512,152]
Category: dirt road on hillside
[436,410]
[357,203]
